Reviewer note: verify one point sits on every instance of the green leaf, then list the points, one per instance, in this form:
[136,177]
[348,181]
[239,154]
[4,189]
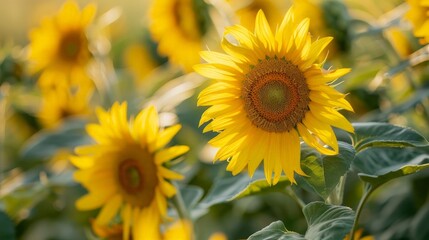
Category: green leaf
[275,231]
[325,222]
[7,229]
[324,172]
[380,165]
[45,143]
[372,134]
[226,189]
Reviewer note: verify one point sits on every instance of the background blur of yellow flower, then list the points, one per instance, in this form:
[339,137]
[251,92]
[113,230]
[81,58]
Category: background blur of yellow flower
[61,42]
[180,230]
[62,102]
[179,26]
[246,10]
[358,234]
[418,15]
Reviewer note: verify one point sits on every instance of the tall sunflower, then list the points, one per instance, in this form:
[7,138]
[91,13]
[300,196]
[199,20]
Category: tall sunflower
[60,44]
[270,90]
[418,15]
[179,27]
[124,170]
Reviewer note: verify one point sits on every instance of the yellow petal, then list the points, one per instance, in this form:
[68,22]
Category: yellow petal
[109,210]
[166,135]
[167,154]
[168,174]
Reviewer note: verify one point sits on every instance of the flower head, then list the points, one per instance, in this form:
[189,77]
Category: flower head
[60,44]
[269,90]
[179,27]
[418,15]
[62,102]
[124,173]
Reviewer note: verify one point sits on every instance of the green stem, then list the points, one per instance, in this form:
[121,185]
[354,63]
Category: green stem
[180,204]
[368,190]
[292,194]
[181,208]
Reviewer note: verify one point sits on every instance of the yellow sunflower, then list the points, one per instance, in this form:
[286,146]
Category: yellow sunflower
[179,27]
[62,101]
[418,15]
[270,90]
[180,230]
[357,236]
[324,17]
[60,44]
[247,13]
[124,170]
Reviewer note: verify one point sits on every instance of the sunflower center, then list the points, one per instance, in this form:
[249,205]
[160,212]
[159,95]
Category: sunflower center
[275,95]
[71,45]
[137,180]
[130,176]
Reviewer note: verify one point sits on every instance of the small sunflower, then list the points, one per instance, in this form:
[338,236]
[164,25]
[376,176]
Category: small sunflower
[247,13]
[60,44]
[357,236]
[179,230]
[179,27]
[418,15]
[62,102]
[269,90]
[328,18]
[124,170]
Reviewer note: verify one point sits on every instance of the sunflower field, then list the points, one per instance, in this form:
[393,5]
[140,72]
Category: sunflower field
[214,120]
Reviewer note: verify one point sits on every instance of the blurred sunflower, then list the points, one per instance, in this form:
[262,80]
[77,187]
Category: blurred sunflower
[418,15]
[62,102]
[179,27]
[328,18]
[246,11]
[179,230]
[358,234]
[124,171]
[60,44]
[270,90]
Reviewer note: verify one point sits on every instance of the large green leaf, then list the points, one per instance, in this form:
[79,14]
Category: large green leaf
[229,188]
[324,172]
[7,228]
[275,231]
[372,134]
[45,143]
[325,222]
[380,165]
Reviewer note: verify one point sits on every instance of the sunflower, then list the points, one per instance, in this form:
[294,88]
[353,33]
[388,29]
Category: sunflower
[357,236]
[124,170]
[60,44]
[62,102]
[247,13]
[179,230]
[179,27]
[328,18]
[418,15]
[269,90]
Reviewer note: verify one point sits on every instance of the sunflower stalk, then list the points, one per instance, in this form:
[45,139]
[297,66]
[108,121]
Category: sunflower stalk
[292,194]
[368,190]
[181,208]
